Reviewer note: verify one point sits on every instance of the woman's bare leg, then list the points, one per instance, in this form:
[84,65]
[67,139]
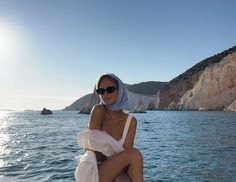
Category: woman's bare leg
[111,167]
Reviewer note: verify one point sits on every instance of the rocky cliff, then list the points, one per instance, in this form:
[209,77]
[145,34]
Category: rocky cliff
[79,104]
[149,102]
[146,88]
[209,85]
[231,107]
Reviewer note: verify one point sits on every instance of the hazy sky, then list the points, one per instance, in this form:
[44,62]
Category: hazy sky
[52,51]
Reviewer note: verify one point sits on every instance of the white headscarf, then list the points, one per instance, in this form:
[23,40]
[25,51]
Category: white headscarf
[122,98]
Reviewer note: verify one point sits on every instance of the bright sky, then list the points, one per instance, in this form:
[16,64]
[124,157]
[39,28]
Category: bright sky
[52,51]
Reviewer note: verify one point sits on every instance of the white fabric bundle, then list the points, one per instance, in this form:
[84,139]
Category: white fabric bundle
[87,170]
[94,140]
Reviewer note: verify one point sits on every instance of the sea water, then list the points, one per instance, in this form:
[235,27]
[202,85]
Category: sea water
[176,146]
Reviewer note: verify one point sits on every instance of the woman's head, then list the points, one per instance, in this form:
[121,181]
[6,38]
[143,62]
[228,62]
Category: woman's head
[107,89]
[112,92]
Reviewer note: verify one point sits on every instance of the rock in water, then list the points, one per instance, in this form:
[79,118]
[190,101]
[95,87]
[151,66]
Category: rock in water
[45,111]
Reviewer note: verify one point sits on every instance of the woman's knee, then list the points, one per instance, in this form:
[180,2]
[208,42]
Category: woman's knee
[136,155]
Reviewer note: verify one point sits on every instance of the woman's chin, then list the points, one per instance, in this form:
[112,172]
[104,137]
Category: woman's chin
[108,103]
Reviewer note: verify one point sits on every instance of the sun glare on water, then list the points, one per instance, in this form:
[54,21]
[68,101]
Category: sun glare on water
[4,138]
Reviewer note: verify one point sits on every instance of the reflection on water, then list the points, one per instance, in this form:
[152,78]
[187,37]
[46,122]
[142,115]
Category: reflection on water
[4,137]
[3,143]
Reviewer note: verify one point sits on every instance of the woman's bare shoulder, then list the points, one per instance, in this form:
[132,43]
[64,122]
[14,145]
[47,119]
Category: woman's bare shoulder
[96,117]
[98,109]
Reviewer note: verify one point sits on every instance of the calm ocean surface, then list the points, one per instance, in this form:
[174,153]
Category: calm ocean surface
[176,146]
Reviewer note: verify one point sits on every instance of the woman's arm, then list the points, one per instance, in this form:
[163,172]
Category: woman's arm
[95,123]
[129,141]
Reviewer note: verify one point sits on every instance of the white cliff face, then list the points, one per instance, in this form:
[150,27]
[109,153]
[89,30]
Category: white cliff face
[215,89]
[149,102]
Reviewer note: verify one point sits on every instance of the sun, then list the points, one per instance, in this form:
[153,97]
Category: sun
[8,41]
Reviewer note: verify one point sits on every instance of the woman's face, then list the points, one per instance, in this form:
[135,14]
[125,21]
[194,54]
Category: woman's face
[108,98]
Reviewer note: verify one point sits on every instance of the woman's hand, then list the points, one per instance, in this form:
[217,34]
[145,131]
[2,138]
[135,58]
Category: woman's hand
[100,156]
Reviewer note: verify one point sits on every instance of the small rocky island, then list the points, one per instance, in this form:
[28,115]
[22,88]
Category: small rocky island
[46,111]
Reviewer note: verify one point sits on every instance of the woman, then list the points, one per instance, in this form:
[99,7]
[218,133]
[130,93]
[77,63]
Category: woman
[109,155]
[108,116]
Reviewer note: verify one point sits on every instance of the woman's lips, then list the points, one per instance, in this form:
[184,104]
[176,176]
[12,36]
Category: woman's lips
[106,99]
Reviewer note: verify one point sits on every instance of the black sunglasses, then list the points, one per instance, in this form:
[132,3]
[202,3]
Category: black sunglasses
[109,90]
